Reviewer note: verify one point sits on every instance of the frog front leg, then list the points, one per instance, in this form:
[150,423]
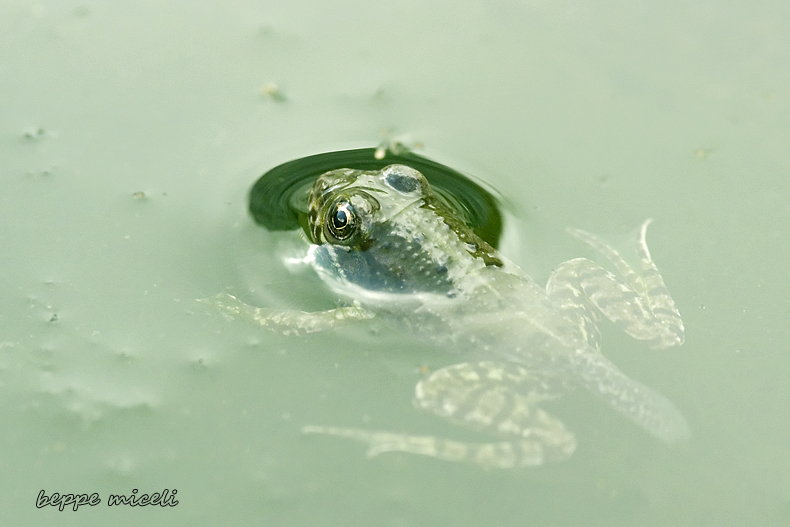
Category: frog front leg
[288,322]
[499,399]
[637,301]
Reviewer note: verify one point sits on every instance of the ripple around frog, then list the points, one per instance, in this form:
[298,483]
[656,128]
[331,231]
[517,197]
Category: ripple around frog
[278,200]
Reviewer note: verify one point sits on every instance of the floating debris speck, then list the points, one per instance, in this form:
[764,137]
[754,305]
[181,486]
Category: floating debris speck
[272,91]
[34,134]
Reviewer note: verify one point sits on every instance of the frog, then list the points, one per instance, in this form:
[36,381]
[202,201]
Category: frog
[382,241]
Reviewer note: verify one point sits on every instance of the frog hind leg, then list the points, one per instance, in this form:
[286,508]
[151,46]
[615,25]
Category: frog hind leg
[495,398]
[636,301]
[287,322]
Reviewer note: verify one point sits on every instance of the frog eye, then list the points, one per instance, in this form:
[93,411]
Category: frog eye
[341,220]
[403,179]
[401,182]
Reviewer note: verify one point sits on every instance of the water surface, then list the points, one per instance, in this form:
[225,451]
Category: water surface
[130,135]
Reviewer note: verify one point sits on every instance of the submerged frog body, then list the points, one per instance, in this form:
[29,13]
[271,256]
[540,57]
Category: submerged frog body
[381,239]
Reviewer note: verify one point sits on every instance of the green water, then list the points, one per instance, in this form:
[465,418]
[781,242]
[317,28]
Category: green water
[130,135]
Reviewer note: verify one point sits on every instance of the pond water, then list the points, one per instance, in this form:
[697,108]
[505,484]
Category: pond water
[131,134]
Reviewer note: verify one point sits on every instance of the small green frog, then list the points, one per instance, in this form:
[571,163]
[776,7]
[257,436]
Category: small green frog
[382,240]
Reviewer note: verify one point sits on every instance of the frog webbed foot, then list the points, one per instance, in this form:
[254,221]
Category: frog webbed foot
[637,301]
[287,322]
[495,398]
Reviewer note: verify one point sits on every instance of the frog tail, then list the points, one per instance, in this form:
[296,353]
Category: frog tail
[643,405]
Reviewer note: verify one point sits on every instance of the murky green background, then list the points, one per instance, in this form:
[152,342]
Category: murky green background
[130,134]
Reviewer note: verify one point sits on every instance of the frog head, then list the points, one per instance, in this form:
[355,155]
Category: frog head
[385,231]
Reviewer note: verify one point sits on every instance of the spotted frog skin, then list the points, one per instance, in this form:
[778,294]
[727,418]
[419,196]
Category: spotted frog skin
[382,240]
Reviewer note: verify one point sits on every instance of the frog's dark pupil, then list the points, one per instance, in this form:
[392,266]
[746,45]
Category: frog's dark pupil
[341,219]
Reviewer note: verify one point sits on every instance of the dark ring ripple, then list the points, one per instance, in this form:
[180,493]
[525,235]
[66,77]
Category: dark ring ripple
[278,200]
